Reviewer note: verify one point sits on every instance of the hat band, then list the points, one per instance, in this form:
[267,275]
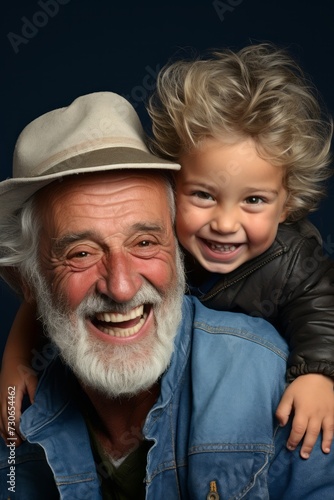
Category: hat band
[103,157]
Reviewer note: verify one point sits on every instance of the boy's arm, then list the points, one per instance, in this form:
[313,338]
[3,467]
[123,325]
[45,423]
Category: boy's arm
[290,476]
[17,377]
[306,312]
[311,399]
[307,318]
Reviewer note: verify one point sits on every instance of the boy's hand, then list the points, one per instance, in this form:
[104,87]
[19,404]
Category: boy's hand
[311,397]
[16,380]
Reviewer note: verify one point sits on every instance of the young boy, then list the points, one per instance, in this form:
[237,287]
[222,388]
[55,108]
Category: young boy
[253,148]
[253,144]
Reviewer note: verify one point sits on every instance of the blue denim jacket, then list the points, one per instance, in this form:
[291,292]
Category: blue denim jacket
[212,428]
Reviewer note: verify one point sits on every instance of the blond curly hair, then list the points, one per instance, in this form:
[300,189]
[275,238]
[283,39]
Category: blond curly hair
[259,92]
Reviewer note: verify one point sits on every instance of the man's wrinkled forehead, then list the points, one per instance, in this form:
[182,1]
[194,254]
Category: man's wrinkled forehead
[122,197]
[159,177]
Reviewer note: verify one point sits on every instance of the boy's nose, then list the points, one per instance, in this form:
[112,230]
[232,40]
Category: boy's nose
[225,222]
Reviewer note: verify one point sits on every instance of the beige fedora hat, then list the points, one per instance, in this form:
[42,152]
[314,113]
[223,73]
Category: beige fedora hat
[97,132]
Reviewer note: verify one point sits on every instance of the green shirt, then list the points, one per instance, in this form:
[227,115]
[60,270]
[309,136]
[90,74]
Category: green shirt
[125,482]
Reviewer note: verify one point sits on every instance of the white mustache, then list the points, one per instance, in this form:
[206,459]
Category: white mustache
[94,304]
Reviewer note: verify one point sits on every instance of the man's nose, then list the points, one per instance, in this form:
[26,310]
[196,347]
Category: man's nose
[120,280]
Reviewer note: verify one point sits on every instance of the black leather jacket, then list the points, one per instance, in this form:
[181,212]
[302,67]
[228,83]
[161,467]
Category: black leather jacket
[292,286]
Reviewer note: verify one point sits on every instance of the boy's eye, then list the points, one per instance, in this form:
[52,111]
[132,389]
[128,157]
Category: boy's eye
[254,200]
[203,195]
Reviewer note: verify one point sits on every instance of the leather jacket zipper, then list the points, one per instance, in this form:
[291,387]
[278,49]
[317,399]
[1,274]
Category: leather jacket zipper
[244,275]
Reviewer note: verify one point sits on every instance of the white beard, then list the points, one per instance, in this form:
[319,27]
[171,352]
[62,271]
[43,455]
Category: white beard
[114,370]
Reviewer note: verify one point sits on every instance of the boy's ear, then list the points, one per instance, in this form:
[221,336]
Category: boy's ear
[285,211]
[284,215]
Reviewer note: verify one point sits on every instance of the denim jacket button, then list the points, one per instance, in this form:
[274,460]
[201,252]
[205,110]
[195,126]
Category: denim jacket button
[213,494]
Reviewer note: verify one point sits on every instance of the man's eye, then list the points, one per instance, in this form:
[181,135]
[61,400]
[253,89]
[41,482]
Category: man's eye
[145,248]
[81,259]
[82,254]
[145,243]
[78,255]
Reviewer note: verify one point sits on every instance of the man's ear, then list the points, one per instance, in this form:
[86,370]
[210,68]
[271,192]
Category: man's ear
[13,278]
[27,292]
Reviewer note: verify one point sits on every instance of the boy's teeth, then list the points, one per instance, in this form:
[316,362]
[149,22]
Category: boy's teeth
[223,247]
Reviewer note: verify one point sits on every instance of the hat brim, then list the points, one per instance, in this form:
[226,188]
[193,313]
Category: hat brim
[14,192]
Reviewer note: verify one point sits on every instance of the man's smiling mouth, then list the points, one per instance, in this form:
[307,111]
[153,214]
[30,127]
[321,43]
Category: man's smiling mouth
[122,325]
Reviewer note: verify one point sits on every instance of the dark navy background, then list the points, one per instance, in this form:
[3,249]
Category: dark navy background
[52,51]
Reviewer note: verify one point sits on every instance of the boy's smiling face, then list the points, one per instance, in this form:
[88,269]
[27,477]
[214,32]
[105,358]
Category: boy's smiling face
[229,204]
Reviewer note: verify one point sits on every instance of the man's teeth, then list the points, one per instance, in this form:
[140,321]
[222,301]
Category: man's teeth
[119,317]
[124,332]
[114,318]
[222,247]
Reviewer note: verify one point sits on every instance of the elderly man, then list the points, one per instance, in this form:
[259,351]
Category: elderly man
[152,395]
